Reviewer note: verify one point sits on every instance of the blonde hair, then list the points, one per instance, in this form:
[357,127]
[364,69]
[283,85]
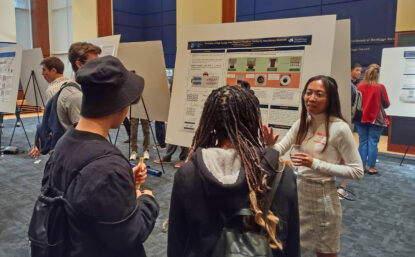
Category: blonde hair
[372,74]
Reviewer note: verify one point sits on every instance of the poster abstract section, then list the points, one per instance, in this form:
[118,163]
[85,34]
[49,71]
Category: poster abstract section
[272,66]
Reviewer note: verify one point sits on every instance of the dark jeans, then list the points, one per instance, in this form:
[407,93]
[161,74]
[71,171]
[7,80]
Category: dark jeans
[161,133]
[184,151]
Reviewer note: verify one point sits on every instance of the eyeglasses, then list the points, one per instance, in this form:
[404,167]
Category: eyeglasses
[317,94]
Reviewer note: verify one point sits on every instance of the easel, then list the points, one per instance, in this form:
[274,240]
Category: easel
[151,130]
[36,89]
[407,149]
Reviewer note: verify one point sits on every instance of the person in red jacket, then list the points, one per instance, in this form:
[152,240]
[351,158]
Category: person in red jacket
[374,118]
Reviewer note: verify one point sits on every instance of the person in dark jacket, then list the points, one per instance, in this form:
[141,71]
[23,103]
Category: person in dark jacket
[116,218]
[229,169]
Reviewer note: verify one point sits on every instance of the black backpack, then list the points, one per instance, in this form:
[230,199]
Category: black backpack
[48,226]
[50,130]
[357,106]
[235,242]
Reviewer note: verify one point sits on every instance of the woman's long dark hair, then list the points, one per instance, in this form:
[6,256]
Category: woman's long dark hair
[332,109]
[232,113]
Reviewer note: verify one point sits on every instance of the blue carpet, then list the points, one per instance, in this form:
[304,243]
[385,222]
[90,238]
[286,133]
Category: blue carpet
[380,223]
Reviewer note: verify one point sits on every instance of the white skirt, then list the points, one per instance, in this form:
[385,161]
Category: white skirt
[320,216]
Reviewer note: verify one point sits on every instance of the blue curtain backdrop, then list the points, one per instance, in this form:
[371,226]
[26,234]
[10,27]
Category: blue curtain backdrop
[372,21]
[146,20]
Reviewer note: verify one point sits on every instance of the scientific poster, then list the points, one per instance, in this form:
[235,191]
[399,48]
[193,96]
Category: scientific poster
[272,66]
[6,75]
[407,94]
[10,61]
[397,73]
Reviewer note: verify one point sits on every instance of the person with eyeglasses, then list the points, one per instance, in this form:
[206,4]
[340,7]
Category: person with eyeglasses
[328,150]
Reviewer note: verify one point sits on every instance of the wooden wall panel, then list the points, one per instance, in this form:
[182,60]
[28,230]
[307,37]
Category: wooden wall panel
[40,25]
[104,18]
[228,11]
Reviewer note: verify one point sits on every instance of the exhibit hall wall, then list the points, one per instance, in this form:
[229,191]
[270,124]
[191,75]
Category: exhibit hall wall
[147,20]
[84,20]
[405,20]
[372,21]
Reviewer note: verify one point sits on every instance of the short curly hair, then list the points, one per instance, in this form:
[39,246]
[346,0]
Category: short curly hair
[79,52]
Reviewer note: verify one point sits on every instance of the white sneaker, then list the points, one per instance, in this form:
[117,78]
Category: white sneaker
[146,155]
[133,156]
[342,193]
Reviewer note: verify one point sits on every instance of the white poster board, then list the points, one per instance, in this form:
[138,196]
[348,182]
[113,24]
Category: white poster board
[311,43]
[8,21]
[10,61]
[31,60]
[341,64]
[397,73]
[147,60]
[109,44]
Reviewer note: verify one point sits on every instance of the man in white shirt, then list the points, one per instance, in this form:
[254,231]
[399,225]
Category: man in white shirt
[52,71]
[70,99]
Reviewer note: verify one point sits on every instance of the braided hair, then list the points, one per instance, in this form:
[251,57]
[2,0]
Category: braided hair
[232,114]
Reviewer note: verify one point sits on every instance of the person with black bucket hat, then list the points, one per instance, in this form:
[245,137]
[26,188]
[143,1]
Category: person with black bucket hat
[114,216]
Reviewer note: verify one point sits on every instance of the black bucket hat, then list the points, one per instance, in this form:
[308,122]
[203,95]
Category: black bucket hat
[107,87]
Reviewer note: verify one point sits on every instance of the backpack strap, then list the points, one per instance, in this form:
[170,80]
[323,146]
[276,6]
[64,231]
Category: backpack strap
[64,85]
[275,185]
[381,98]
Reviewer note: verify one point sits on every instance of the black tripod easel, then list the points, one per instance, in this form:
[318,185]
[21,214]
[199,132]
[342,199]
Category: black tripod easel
[36,89]
[151,130]
[403,158]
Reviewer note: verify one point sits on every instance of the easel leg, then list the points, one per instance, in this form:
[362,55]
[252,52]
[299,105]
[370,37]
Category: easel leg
[116,136]
[152,133]
[407,149]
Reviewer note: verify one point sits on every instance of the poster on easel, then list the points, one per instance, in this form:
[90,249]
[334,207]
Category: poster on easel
[276,60]
[397,73]
[32,79]
[109,44]
[272,66]
[10,63]
[147,60]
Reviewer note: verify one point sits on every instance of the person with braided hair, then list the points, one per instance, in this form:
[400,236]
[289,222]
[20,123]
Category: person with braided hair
[229,169]
[327,150]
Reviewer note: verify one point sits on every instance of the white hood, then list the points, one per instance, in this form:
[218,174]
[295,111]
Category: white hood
[224,164]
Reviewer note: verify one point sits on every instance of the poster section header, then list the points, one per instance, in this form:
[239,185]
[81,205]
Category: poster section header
[250,43]
[8,54]
[409,54]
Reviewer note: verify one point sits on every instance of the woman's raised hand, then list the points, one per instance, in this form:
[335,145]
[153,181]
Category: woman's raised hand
[269,138]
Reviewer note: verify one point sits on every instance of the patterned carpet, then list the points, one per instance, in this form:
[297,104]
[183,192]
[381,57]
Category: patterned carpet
[379,224]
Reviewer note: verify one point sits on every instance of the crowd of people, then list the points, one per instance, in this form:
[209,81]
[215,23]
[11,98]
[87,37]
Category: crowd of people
[230,181]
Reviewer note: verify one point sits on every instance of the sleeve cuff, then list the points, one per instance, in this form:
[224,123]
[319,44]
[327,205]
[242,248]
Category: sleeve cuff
[315,164]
